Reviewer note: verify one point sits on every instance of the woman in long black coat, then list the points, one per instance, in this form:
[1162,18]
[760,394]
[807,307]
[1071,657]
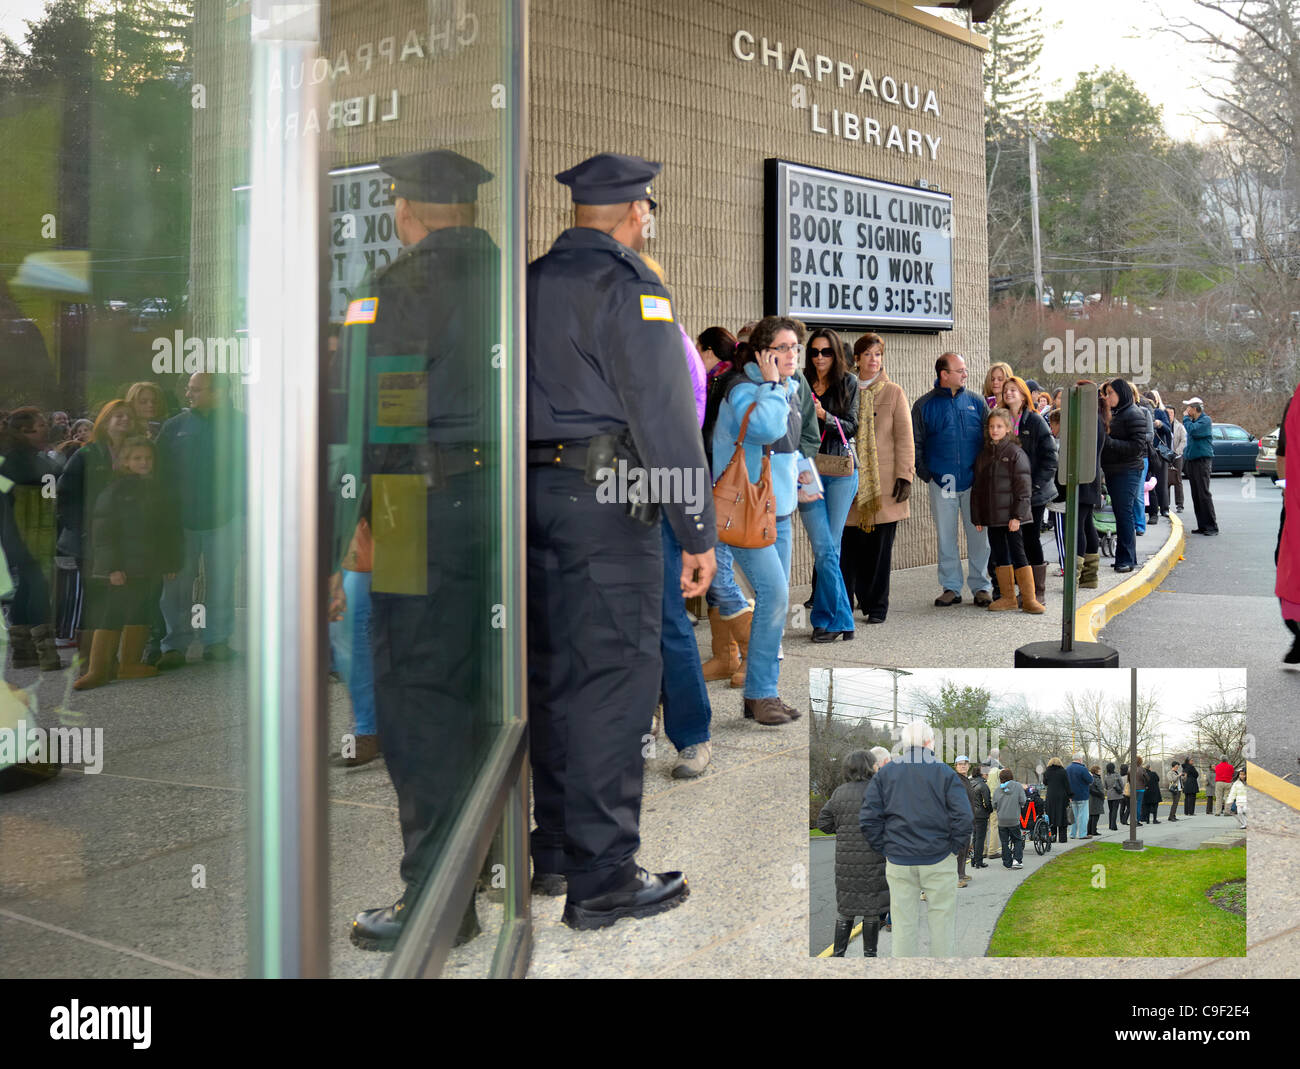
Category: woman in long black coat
[1191,784]
[860,886]
[1057,782]
[1151,800]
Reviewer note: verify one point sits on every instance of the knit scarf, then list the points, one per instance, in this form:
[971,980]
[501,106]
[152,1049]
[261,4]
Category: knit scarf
[870,498]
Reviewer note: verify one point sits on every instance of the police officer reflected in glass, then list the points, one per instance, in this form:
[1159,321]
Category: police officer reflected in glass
[418,342]
[608,393]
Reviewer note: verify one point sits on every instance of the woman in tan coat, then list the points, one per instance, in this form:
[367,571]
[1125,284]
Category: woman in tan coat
[886,467]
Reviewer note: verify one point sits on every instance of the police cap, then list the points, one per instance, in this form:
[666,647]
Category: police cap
[437,177]
[611,178]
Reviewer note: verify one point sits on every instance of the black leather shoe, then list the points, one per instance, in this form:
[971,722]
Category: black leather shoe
[379,929]
[1123,567]
[875,619]
[832,636]
[642,896]
[817,634]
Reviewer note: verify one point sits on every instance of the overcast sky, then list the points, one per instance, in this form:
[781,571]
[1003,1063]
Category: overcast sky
[869,692]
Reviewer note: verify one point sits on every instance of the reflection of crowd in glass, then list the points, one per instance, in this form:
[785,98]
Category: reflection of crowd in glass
[105,525]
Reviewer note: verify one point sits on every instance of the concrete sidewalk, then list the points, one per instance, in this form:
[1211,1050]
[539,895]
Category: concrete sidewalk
[981,902]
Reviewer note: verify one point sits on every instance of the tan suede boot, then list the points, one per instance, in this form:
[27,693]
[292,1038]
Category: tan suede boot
[726,654]
[1025,580]
[1006,590]
[1088,570]
[740,636]
[133,640]
[102,647]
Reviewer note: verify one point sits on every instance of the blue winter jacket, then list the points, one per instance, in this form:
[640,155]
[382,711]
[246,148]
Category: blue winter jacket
[1200,437]
[916,810]
[1080,780]
[948,430]
[774,427]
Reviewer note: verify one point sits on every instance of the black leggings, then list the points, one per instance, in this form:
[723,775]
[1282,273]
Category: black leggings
[1029,534]
[1006,547]
[1089,540]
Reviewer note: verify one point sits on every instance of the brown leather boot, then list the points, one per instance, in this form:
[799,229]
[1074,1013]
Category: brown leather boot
[1040,583]
[1025,580]
[765,711]
[133,640]
[1007,587]
[726,654]
[102,646]
[22,650]
[740,636]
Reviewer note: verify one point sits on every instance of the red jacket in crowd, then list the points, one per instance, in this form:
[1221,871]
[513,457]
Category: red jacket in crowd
[1223,772]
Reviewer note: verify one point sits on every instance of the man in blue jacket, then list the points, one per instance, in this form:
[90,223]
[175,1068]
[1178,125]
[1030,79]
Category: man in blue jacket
[917,815]
[1198,464]
[1080,780]
[948,429]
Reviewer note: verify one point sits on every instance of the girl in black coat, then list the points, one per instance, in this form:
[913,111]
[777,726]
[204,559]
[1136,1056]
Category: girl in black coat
[1057,782]
[137,542]
[1151,799]
[861,889]
[1040,447]
[1000,500]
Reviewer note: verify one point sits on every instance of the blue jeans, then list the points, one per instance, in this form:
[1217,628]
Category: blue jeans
[686,701]
[220,549]
[724,593]
[1123,485]
[1139,509]
[1080,818]
[947,510]
[768,572]
[824,522]
[350,645]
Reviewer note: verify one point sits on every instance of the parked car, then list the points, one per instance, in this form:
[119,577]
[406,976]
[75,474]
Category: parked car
[1235,449]
[1266,462]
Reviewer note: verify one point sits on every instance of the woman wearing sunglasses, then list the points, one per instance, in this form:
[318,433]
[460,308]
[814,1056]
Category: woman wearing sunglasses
[835,400]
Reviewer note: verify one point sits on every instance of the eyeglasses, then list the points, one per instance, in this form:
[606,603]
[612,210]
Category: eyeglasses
[796,349]
[822,352]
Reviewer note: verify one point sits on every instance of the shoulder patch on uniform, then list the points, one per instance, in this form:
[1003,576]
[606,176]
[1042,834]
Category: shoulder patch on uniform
[362,311]
[656,308]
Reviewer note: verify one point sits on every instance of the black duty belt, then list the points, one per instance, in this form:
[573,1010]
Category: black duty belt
[558,455]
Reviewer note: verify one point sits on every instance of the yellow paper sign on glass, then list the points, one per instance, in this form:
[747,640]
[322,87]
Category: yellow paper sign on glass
[403,399]
[399,524]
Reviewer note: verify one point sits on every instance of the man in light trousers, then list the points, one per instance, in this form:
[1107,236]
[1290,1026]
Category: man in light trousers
[917,815]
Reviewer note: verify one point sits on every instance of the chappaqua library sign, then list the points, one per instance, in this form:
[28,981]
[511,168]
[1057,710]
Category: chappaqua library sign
[843,251]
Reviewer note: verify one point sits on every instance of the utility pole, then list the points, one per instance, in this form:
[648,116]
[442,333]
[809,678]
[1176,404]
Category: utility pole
[1033,209]
[830,697]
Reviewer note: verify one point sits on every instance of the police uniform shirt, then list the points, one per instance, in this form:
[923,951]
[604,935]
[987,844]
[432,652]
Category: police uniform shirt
[604,354]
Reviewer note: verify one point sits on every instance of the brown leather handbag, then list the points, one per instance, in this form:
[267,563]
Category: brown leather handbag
[746,511]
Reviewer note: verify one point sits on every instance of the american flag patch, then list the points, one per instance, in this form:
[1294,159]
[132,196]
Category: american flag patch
[656,308]
[363,311]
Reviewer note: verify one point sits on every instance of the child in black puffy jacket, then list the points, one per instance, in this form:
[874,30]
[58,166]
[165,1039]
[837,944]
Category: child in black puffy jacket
[1000,501]
[136,543]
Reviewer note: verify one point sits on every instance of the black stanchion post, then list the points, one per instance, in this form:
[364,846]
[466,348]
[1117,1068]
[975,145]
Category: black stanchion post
[1079,439]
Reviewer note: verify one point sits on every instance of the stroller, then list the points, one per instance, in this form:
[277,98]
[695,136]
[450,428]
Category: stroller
[1104,519]
[1033,820]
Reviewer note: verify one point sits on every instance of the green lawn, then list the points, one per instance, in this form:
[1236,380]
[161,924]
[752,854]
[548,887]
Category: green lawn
[1153,905]
[817,833]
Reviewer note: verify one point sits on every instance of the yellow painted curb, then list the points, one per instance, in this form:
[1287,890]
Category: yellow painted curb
[1091,617]
[1274,786]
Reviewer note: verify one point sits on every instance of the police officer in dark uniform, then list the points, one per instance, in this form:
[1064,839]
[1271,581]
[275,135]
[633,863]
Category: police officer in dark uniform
[606,384]
[420,341]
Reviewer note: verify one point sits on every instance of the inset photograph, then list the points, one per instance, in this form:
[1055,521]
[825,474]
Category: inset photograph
[995,813]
